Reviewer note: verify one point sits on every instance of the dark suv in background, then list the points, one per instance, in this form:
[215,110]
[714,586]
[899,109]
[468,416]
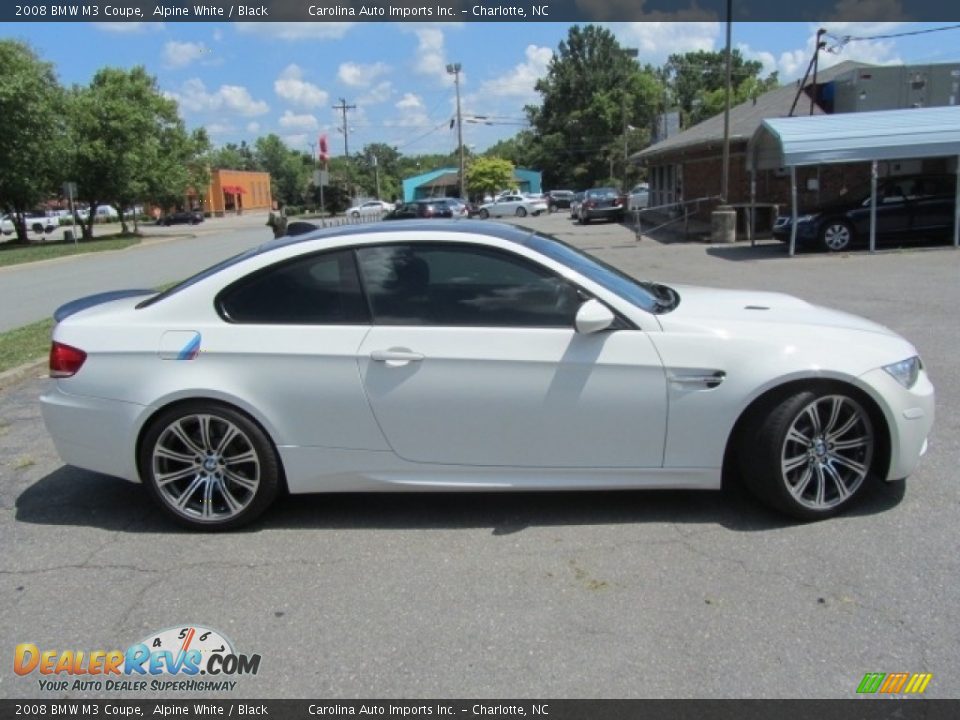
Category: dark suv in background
[909,208]
[421,209]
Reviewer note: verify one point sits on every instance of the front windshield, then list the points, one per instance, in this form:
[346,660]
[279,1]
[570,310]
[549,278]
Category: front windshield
[647,296]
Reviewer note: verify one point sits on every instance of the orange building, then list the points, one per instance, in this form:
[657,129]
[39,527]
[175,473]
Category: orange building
[233,191]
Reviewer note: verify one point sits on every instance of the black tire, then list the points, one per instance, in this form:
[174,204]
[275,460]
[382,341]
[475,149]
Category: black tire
[484,214]
[37,227]
[250,440]
[355,215]
[815,480]
[836,235]
[521,212]
[583,220]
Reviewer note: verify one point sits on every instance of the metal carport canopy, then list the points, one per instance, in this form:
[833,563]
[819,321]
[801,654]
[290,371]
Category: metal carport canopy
[858,137]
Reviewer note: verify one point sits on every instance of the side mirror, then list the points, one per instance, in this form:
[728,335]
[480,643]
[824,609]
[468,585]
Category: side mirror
[592,317]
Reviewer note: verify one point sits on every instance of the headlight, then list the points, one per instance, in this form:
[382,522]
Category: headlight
[805,218]
[905,372]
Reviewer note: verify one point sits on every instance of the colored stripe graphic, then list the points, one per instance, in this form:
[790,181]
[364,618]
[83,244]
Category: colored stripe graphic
[894,683]
[191,349]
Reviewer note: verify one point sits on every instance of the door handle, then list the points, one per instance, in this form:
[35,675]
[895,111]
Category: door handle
[395,357]
[709,381]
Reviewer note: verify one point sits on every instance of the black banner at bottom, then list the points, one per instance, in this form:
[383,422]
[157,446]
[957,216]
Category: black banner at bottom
[857,709]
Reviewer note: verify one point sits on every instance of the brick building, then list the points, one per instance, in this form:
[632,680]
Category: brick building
[232,192]
[688,165]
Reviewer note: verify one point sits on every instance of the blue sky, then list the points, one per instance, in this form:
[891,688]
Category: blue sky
[242,80]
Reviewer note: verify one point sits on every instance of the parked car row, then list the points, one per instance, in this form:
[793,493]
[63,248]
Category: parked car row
[909,208]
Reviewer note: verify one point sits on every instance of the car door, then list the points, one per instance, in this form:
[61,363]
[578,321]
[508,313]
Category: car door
[933,205]
[473,360]
[893,209]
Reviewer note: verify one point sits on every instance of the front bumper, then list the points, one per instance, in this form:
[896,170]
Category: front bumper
[909,414]
[93,433]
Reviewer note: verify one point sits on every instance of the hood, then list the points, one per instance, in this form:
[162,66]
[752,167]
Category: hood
[84,303]
[713,307]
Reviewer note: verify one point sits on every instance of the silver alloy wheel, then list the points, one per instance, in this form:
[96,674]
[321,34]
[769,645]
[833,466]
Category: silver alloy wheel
[827,452]
[836,236]
[205,468]
[521,212]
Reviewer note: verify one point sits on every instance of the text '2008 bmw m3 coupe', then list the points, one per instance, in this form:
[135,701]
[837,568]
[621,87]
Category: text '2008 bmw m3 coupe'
[466,355]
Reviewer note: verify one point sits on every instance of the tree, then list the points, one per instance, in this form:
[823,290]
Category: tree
[592,91]
[128,142]
[487,175]
[289,169]
[234,157]
[31,139]
[696,82]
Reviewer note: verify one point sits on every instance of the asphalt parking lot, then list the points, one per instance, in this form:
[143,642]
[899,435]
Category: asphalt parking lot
[627,594]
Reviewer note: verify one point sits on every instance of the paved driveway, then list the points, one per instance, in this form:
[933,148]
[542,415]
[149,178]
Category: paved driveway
[627,594]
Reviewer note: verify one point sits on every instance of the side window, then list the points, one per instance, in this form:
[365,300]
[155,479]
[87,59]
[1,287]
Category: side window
[321,289]
[465,286]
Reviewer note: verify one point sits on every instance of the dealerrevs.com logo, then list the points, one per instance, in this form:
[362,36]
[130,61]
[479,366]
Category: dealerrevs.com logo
[187,658]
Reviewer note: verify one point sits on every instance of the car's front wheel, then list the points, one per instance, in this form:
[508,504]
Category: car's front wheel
[484,214]
[521,212]
[809,455]
[209,466]
[836,235]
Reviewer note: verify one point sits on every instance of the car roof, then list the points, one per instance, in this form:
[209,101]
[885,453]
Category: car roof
[499,230]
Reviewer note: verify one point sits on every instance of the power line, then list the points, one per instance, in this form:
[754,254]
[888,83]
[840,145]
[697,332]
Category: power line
[841,40]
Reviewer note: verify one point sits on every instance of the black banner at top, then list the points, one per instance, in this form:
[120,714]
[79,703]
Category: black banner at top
[476,10]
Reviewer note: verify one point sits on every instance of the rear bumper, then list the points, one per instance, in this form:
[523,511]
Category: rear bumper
[93,433]
[612,213]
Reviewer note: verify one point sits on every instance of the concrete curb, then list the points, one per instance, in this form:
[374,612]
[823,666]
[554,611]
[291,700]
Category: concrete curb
[21,372]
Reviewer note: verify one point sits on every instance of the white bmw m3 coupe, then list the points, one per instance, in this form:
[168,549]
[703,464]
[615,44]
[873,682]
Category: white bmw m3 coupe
[466,355]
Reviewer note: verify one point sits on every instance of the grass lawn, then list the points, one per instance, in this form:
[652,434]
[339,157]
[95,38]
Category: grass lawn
[24,344]
[15,254]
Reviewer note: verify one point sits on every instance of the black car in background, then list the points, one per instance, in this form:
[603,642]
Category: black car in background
[601,204]
[181,217]
[557,199]
[909,208]
[420,209]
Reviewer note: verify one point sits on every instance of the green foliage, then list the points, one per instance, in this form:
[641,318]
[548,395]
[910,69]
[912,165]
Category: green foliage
[289,170]
[128,142]
[696,82]
[488,175]
[592,92]
[31,139]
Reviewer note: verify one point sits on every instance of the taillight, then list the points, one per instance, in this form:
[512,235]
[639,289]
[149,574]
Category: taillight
[65,361]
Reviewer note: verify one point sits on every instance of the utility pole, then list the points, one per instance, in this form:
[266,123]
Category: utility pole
[631,53]
[343,107]
[725,176]
[454,69]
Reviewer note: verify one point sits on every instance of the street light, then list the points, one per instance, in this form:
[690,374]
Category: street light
[454,69]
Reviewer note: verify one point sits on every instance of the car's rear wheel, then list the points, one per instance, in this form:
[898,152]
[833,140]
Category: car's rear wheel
[811,454]
[836,235]
[521,212]
[209,466]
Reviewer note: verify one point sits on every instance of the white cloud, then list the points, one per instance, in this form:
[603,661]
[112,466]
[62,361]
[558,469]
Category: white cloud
[232,99]
[217,34]
[430,57]
[253,127]
[178,54]
[297,141]
[292,121]
[656,41]
[381,92]
[519,82]
[359,75]
[296,30]
[218,129]
[793,63]
[127,27]
[412,112]
[294,89]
